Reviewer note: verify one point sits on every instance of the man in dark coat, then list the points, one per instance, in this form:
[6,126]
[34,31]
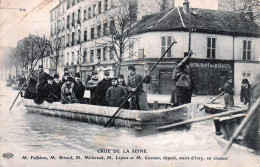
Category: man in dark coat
[139,98]
[57,85]
[21,81]
[183,83]
[92,85]
[42,80]
[121,82]
[79,89]
[229,92]
[102,88]
[245,92]
[31,90]
[49,92]
[115,94]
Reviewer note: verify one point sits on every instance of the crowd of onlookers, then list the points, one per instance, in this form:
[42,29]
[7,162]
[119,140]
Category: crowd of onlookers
[110,91]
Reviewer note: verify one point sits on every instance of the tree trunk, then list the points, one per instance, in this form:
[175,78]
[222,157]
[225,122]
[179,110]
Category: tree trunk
[118,69]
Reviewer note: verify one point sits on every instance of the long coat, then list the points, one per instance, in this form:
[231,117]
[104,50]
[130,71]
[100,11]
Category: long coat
[101,91]
[57,88]
[139,98]
[228,95]
[115,95]
[49,93]
[182,95]
[245,94]
[31,91]
[42,80]
[79,91]
[67,94]
[92,85]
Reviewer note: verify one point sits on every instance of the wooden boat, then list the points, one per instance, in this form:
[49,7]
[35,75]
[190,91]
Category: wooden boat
[225,127]
[215,108]
[161,114]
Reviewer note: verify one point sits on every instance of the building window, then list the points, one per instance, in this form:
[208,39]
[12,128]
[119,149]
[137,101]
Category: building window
[247,50]
[72,58]
[79,33]
[105,29]
[140,53]
[68,4]
[111,53]
[131,49]
[85,56]
[105,5]
[68,21]
[67,59]
[112,26]
[166,42]
[92,55]
[99,31]
[85,14]
[99,7]
[72,36]
[79,16]
[85,35]
[211,48]
[105,53]
[94,10]
[73,19]
[112,3]
[98,53]
[246,75]
[73,2]
[92,33]
[89,12]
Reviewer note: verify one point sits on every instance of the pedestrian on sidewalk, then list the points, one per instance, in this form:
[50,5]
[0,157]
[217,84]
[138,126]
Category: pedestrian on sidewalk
[245,92]
[229,93]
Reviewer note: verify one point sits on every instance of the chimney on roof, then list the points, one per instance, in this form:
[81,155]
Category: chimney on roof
[249,14]
[186,6]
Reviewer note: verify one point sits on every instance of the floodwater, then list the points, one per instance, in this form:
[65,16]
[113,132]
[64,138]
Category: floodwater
[38,137]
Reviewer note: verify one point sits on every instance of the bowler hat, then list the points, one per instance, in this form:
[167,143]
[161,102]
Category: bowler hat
[121,76]
[69,78]
[106,73]
[56,76]
[245,81]
[94,73]
[77,75]
[131,67]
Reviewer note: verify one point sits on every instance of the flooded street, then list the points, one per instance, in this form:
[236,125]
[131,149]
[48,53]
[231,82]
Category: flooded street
[26,134]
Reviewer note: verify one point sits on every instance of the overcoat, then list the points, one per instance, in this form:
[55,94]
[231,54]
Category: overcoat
[79,91]
[101,91]
[92,85]
[139,98]
[115,95]
[245,94]
[67,94]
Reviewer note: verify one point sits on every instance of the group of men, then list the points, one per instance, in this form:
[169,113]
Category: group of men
[107,92]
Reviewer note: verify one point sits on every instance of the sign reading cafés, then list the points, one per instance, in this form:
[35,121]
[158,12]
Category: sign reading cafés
[209,65]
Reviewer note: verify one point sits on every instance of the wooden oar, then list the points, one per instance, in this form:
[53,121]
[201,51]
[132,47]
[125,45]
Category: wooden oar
[126,99]
[28,76]
[213,100]
[249,115]
[201,119]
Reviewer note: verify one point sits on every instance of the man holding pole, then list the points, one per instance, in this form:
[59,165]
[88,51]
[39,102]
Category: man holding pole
[229,92]
[42,80]
[139,98]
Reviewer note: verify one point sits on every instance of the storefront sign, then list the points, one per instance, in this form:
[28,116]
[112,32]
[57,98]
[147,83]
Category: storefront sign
[209,65]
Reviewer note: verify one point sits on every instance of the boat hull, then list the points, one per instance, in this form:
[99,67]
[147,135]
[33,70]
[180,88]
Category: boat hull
[217,108]
[137,119]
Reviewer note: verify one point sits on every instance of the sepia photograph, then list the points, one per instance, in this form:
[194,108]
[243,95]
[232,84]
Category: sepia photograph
[122,83]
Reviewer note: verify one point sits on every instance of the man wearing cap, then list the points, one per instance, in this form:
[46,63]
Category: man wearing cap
[92,85]
[78,88]
[102,88]
[42,80]
[115,94]
[67,93]
[229,92]
[57,85]
[139,98]
[245,92]
[49,92]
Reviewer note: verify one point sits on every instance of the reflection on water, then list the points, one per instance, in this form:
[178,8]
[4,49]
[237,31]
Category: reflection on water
[23,132]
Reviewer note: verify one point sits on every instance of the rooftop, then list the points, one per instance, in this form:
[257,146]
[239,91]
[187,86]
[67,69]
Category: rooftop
[202,20]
